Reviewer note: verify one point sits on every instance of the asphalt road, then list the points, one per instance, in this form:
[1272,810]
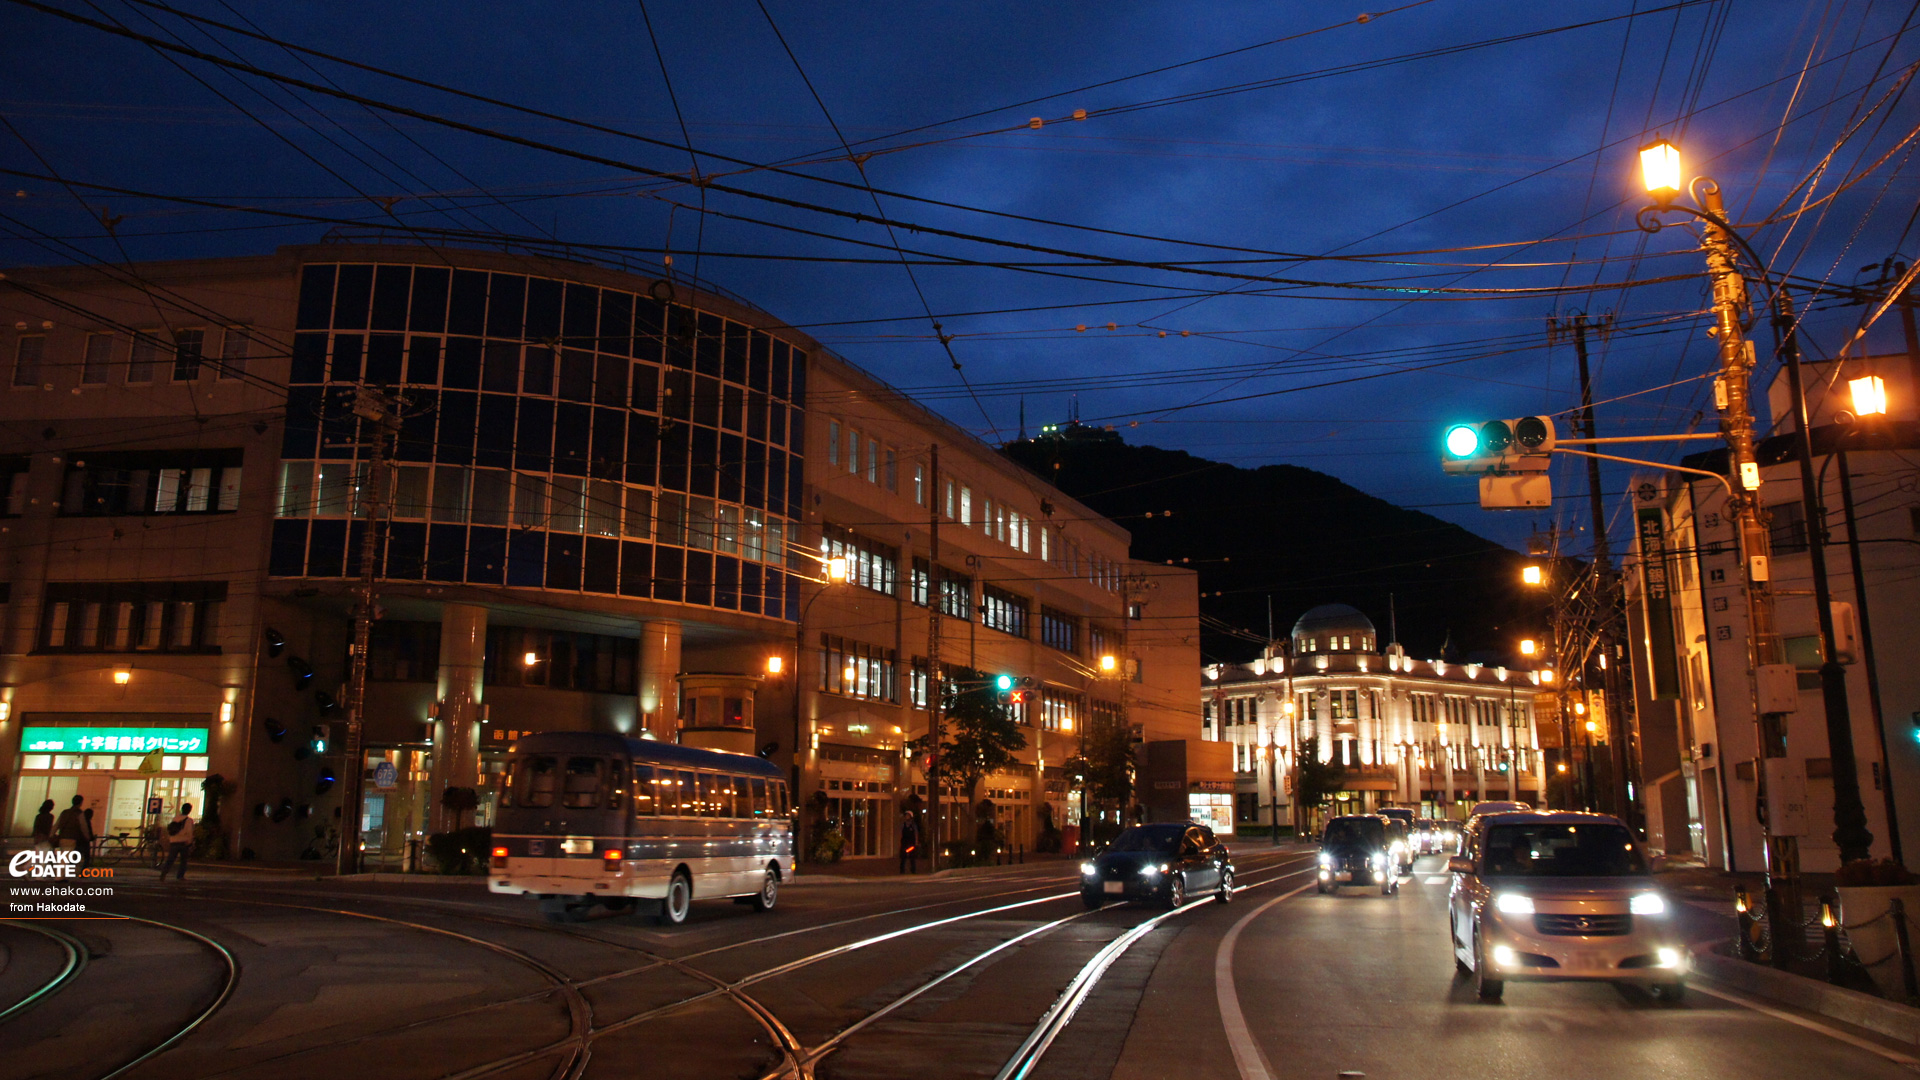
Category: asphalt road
[1001,974]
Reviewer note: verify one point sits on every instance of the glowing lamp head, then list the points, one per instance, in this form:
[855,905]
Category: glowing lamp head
[122,676]
[1109,663]
[837,568]
[1462,440]
[1527,647]
[1869,396]
[775,664]
[1592,727]
[1531,575]
[1660,169]
[530,659]
[1546,674]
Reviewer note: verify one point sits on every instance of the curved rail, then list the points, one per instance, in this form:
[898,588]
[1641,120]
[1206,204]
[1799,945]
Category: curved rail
[77,955]
[219,999]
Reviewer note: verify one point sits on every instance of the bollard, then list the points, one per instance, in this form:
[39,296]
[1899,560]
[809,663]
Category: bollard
[1899,914]
[1749,931]
[1780,950]
[1830,931]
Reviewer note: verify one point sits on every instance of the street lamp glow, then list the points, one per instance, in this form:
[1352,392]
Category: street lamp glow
[1546,674]
[1869,396]
[530,659]
[837,568]
[1462,440]
[1531,575]
[1109,663]
[122,676]
[852,673]
[774,664]
[1660,168]
[1526,647]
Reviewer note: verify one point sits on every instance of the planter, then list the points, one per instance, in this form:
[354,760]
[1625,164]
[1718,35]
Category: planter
[1866,915]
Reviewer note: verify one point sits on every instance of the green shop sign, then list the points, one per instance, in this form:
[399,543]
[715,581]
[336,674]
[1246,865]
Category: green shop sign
[121,740]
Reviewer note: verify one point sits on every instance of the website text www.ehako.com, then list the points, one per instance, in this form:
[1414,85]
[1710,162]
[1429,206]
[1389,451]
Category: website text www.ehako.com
[53,883]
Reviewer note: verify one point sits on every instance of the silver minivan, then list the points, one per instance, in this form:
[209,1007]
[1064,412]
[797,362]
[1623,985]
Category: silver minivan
[1546,896]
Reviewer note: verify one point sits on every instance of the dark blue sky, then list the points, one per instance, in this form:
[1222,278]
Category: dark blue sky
[1323,136]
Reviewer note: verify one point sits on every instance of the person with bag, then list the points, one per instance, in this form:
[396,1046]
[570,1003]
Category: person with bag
[178,836]
[43,827]
[73,825]
[909,845]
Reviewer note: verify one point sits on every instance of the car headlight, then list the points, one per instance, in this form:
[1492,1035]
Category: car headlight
[1379,859]
[1087,869]
[1669,958]
[1504,956]
[1326,859]
[1149,871]
[1510,903]
[1648,904]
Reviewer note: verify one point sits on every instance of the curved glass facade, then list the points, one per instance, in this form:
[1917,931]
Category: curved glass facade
[558,436]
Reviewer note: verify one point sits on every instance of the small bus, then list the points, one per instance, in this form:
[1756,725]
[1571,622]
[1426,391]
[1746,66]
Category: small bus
[591,819]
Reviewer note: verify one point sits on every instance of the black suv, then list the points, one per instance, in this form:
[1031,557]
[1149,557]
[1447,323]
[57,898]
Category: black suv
[1405,817]
[1165,862]
[1357,849]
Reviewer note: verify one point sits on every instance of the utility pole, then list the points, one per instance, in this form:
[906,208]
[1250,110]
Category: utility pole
[380,413]
[1850,831]
[936,683]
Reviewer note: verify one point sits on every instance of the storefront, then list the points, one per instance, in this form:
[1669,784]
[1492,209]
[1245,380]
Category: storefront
[130,769]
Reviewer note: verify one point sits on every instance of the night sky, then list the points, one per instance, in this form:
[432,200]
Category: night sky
[1441,145]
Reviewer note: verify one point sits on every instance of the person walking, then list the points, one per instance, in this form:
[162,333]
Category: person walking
[178,836]
[73,826]
[910,845]
[43,828]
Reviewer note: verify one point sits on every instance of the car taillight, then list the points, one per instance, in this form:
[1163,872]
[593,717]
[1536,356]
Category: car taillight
[610,859]
[500,857]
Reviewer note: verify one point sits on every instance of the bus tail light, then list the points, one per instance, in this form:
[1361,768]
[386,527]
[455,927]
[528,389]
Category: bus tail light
[500,858]
[610,859]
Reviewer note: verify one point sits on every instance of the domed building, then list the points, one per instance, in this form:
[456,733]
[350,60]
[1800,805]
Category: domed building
[1429,734]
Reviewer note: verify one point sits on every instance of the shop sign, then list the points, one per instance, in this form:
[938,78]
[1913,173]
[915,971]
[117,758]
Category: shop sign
[119,740]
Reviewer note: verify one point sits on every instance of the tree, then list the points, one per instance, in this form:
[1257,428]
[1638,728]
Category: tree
[1106,761]
[461,801]
[982,738]
[1319,780]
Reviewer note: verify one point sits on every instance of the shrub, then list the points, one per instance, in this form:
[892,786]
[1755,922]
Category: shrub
[462,851]
[1873,872]
[827,845]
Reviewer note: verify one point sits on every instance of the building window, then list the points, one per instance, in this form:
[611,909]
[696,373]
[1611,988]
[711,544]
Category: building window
[233,352]
[1060,710]
[893,470]
[949,499]
[873,461]
[966,506]
[97,360]
[833,442]
[132,617]
[956,590]
[145,357]
[1059,630]
[1788,528]
[28,354]
[1003,611]
[856,669]
[917,680]
[404,651]
[188,349]
[870,563]
[181,482]
[13,486]
[563,660]
[920,487]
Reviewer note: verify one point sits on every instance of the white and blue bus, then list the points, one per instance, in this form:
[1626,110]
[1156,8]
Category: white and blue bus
[601,820]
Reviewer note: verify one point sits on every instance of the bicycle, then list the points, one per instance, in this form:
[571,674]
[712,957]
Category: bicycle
[147,851]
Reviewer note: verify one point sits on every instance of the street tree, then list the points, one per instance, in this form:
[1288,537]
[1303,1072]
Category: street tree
[982,738]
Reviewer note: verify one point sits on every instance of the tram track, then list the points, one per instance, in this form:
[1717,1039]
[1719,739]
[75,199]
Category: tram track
[220,997]
[76,953]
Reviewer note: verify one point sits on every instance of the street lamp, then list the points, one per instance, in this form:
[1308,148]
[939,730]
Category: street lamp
[1661,172]
[1869,396]
[836,568]
[1109,663]
[1531,575]
[1527,647]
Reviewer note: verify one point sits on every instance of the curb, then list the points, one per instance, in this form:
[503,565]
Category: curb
[1835,1002]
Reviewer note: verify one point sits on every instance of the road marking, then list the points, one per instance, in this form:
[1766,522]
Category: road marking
[1246,1053]
[1894,1056]
[1437,879]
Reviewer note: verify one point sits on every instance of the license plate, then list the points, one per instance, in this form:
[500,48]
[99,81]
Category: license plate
[1115,886]
[1588,961]
[577,845]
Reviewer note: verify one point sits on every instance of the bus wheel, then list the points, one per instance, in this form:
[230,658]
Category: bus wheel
[769,892]
[679,899]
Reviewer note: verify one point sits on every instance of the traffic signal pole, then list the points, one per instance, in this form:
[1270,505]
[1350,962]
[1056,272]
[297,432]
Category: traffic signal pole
[936,685]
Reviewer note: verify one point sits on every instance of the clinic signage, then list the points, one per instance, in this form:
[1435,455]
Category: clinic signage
[112,740]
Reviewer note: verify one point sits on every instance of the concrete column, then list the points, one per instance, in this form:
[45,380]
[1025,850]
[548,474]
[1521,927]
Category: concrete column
[456,733]
[659,678]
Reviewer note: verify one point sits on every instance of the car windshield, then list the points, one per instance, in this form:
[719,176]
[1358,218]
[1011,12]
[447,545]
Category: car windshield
[1557,850]
[1164,839]
[1356,830]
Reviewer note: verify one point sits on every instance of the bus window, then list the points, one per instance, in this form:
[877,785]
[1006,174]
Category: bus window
[646,800]
[777,797]
[709,804]
[667,782]
[617,786]
[537,780]
[585,776]
[759,797]
[735,802]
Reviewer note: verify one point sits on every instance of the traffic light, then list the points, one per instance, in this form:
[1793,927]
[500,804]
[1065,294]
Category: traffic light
[1511,457]
[1013,689]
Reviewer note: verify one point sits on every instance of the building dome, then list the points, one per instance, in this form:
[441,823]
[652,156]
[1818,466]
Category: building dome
[1333,628]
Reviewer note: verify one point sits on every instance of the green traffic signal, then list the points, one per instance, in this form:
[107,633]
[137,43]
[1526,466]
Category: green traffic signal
[1462,440]
[1004,682]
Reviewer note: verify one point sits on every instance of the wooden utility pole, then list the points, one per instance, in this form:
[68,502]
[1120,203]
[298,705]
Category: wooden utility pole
[381,414]
[936,683]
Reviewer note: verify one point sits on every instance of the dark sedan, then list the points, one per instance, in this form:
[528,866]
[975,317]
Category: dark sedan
[1162,862]
[1357,849]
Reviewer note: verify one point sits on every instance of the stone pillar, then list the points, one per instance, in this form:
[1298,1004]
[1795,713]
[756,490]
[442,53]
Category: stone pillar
[456,733]
[659,681]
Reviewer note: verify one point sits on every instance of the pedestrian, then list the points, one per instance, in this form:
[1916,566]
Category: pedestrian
[910,846]
[73,826]
[178,836]
[43,828]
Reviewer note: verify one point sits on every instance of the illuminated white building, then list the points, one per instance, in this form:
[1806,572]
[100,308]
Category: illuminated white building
[1408,731]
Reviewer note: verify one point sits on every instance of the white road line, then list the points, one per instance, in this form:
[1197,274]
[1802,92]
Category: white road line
[1246,1053]
[1868,1045]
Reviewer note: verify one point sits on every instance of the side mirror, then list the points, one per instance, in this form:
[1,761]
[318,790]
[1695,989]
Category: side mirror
[1459,864]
